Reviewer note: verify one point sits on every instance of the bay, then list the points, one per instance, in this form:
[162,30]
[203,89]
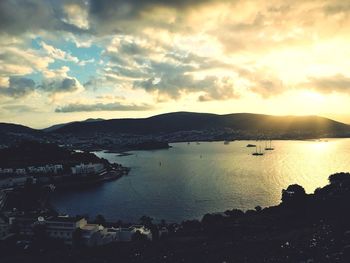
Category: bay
[190,180]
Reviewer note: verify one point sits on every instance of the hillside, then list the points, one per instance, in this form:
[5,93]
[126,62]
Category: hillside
[15,128]
[58,126]
[186,121]
[10,133]
[28,153]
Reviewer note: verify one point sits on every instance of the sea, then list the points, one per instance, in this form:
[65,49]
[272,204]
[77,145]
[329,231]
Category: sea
[191,179]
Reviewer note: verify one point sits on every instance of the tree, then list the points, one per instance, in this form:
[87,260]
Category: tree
[293,194]
[146,221]
[77,238]
[100,220]
[235,213]
[258,208]
[339,178]
[138,236]
[39,231]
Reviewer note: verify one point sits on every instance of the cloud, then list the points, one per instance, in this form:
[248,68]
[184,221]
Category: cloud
[19,108]
[18,87]
[102,107]
[64,85]
[115,16]
[20,61]
[57,53]
[329,84]
[76,14]
[18,17]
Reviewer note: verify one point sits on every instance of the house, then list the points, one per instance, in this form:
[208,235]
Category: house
[15,181]
[63,227]
[123,234]
[20,171]
[22,224]
[49,168]
[91,168]
[6,171]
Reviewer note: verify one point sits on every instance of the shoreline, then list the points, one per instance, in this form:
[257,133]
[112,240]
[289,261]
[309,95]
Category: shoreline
[93,180]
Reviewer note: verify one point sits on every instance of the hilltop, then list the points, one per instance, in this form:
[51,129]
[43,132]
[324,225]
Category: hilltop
[256,124]
[157,131]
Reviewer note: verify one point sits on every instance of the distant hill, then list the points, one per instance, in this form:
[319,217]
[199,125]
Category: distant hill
[58,126]
[27,153]
[10,133]
[188,121]
[16,128]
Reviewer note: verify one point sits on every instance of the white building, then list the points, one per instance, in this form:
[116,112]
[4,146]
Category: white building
[91,168]
[6,171]
[20,171]
[63,227]
[123,234]
[49,168]
[15,181]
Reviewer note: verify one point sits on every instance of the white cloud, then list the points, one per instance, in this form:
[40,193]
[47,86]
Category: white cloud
[57,53]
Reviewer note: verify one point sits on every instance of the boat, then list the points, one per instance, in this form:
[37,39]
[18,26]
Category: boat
[256,153]
[269,148]
[251,145]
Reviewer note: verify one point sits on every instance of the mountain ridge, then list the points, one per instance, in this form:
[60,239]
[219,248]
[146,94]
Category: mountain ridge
[183,121]
[187,121]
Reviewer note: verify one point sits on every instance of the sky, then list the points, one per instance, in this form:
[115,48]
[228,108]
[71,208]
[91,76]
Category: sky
[69,60]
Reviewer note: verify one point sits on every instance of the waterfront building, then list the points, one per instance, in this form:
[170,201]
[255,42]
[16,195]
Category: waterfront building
[91,168]
[49,168]
[125,234]
[62,227]
[15,181]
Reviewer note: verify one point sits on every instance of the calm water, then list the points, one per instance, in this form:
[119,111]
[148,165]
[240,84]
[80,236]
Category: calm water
[187,181]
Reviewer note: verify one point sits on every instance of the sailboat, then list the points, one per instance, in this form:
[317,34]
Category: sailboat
[256,153]
[269,148]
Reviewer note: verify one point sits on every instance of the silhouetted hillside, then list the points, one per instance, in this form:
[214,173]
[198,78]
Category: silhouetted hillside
[186,121]
[16,128]
[58,126]
[10,133]
[28,153]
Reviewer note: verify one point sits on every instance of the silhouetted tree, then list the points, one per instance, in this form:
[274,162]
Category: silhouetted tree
[100,220]
[293,194]
[191,226]
[77,238]
[146,221]
[339,178]
[258,208]
[39,231]
[138,236]
[236,213]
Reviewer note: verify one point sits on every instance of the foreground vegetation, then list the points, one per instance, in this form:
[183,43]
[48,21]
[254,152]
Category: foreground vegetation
[303,228]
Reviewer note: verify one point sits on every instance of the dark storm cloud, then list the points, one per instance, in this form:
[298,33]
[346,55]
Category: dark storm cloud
[18,87]
[102,107]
